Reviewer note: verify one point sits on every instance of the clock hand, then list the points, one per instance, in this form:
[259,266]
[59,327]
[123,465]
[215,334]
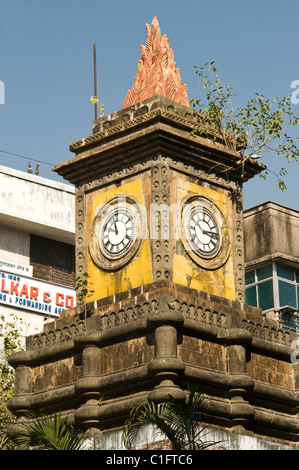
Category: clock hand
[113,228]
[212,234]
[115,225]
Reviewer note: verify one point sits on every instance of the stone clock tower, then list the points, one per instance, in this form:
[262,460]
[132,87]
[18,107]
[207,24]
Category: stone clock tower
[154,203]
[159,231]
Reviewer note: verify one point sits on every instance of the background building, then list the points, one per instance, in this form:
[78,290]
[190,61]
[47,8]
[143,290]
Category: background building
[36,248]
[271,234]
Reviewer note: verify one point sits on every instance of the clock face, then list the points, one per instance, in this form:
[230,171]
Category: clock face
[203,231]
[117,232]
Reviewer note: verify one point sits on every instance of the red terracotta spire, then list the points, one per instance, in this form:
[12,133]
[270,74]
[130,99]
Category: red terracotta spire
[156,71]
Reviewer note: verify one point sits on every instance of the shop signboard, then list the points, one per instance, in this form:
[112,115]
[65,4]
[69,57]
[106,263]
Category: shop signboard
[37,296]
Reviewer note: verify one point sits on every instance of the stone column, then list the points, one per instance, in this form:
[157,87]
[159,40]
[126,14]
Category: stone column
[23,386]
[88,387]
[241,411]
[166,366]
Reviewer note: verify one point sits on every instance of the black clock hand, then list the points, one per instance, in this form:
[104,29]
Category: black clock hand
[115,225]
[113,230]
[212,234]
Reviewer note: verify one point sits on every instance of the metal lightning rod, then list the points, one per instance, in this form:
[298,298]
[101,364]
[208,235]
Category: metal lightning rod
[95,81]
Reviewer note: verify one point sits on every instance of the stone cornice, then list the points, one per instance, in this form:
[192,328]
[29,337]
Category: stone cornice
[157,125]
[263,335]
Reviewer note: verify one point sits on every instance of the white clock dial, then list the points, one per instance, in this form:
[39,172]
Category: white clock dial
[203,231]
[117,233]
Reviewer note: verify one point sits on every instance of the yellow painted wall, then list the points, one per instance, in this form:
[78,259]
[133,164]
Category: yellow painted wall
[186,272]
[138,272]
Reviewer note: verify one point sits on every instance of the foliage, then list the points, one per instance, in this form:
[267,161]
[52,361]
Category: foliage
[261,126]
[48,432]
[82,287]
[95,100]
[10,341]
[179,422]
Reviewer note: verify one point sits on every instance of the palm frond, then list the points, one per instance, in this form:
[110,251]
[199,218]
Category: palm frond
[145,413]
[178,422]
[48,432]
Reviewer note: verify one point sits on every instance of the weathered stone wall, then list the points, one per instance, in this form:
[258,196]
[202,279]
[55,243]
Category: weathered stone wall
[203,353]
[124,355]
[142,345]
[271,370]
[55,374]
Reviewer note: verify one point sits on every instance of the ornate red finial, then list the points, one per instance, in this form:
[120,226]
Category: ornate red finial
[156,71]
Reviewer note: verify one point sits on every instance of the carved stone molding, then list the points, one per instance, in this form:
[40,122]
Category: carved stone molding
[80,245]
[161,242]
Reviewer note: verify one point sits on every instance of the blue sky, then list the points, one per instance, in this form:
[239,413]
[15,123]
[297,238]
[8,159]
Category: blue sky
[46,64]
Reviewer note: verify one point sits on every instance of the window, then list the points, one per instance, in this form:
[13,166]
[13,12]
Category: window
[251,297]
[52,260]
[287,294]
[288,284]
[289,320]
[259,287]
[275,286]
[265,295]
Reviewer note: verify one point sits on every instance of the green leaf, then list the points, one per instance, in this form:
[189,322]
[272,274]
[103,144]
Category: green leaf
[179,422]
[48,432]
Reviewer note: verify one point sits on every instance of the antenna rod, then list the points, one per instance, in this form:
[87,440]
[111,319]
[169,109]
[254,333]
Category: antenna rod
[95,81]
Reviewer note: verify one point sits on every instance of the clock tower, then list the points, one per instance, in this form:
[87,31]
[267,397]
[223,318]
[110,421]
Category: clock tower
[158,213]
[154,203]
[159,230]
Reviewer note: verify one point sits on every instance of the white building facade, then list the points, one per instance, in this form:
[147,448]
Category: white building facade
[37,236]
